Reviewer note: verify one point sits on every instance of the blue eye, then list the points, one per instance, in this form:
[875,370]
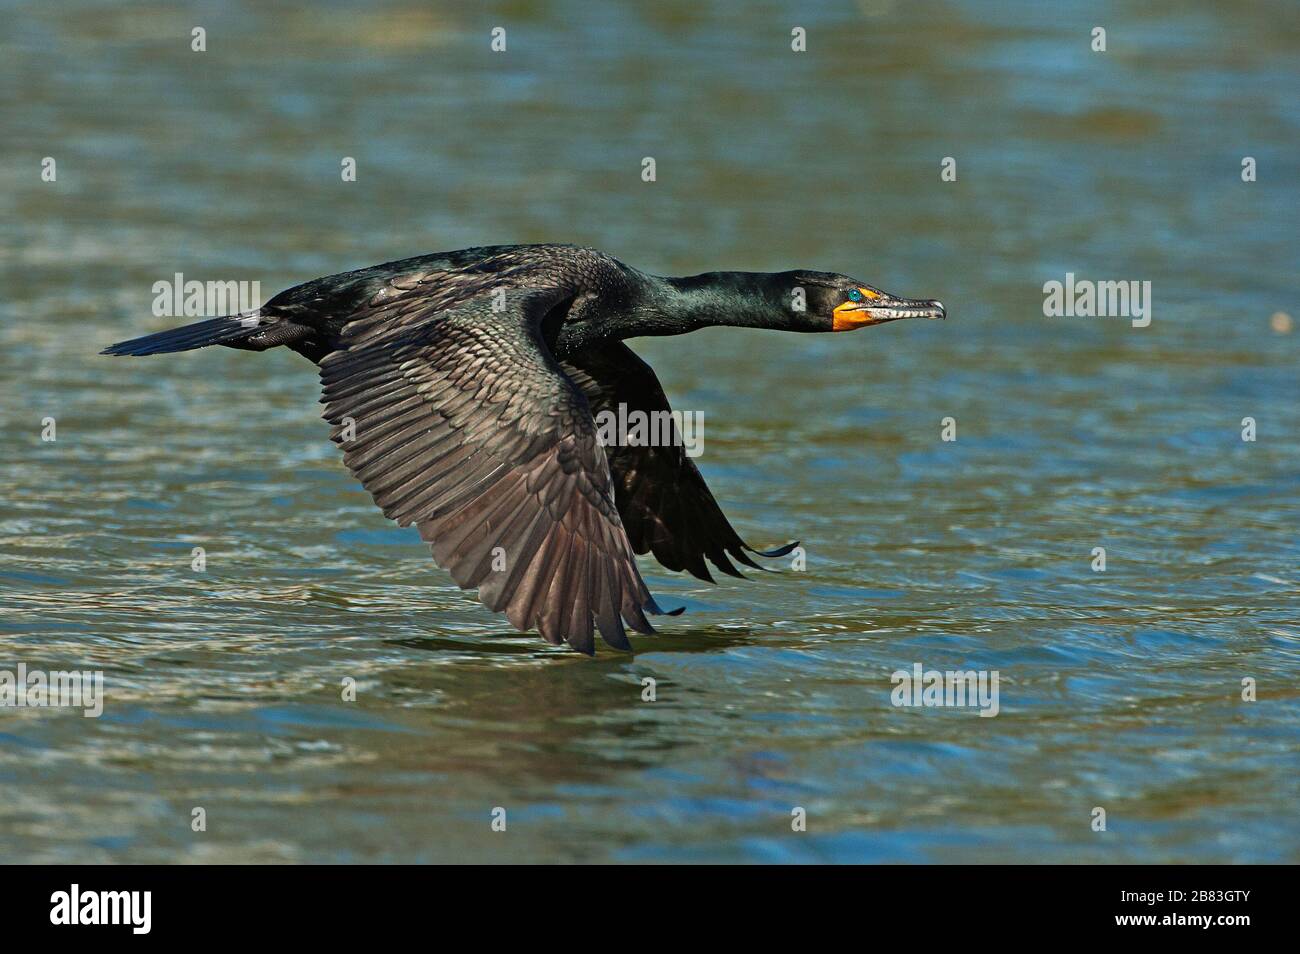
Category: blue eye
[855,295]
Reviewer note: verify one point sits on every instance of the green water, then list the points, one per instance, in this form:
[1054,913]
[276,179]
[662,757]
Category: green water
[1119,689]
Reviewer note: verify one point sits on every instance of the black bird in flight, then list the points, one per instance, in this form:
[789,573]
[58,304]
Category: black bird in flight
[464,388]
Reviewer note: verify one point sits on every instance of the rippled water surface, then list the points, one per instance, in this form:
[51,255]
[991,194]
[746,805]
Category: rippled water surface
[1119,689]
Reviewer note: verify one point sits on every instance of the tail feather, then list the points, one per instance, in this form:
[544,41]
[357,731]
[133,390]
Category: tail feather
[188,337]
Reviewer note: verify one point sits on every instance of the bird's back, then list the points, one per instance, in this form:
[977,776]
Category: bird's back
[458,273]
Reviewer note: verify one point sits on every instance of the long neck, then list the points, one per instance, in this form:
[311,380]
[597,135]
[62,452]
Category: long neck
[674,306]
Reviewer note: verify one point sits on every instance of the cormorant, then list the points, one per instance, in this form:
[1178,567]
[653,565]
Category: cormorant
[463,387]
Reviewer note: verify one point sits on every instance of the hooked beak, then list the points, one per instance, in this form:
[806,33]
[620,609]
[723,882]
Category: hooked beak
[877,307]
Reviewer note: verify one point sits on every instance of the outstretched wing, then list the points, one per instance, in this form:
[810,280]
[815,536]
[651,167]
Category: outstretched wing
[666,507]
[462,423]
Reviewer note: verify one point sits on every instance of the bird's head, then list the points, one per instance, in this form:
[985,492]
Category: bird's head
[832,302]
[798,300]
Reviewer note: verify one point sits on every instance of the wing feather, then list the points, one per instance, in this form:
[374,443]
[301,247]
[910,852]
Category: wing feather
[458,420]
[666,507]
